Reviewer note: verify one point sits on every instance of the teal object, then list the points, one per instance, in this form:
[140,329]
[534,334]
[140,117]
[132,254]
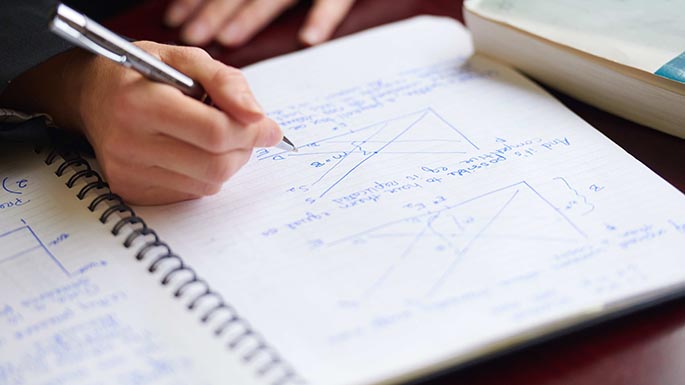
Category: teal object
[674,69]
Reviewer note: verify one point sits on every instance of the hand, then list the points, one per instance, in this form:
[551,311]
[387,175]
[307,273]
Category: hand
[234,22]
[155,144]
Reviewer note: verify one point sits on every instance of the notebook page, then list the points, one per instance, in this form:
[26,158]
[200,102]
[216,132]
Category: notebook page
[438,205]
[75,307]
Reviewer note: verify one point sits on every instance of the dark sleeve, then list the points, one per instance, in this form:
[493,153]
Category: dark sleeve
[25,40]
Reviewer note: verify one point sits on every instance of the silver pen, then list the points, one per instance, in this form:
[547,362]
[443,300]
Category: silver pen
[83,32]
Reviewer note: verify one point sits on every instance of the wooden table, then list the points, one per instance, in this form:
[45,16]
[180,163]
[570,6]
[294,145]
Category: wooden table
[645,348]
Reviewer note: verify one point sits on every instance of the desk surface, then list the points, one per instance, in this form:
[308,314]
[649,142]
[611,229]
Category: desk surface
[644,348]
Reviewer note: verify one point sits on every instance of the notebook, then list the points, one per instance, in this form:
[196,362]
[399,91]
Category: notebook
[441,208]
[625,57]
[75,306]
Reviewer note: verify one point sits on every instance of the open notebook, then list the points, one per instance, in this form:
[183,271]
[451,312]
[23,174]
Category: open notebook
[441,208]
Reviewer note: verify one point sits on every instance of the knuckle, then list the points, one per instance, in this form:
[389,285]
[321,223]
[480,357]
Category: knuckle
[225,74]
[196,53]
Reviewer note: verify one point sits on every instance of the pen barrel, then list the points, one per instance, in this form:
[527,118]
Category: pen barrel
[206,99]
[88,34]
[197,92]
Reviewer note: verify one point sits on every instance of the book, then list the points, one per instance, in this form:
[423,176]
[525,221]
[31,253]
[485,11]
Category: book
[442,208]
[625,57]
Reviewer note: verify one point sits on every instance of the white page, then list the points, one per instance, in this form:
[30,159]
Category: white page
[641,34]
[369,255]
[76,308]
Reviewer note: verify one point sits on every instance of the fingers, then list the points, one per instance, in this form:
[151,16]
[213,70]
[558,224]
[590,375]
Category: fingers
[150,163]
[205,127]
[234,22]
[226,85]
[212,15]
[134,168]
[211,169]
[180,11]
[323,19]
[151,195]
[251,19]
[184,159]
[229,91]
[154,185]
[157,145]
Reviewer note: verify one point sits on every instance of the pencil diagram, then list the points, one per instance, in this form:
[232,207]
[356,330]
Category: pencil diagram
[424,255]
[21,245]
[419,134]
[24,251]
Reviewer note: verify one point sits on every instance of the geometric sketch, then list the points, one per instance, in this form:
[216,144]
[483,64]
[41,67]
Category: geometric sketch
[337,157]
[423,253]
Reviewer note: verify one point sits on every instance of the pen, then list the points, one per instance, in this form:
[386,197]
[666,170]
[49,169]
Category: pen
[78,29]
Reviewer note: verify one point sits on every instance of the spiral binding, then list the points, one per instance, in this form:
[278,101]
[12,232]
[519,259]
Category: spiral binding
[272,362]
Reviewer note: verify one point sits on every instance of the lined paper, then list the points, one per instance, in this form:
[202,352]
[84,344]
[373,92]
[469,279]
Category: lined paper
[439,206]
[76,307]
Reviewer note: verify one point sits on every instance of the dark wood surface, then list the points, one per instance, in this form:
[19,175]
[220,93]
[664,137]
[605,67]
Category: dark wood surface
[645,348]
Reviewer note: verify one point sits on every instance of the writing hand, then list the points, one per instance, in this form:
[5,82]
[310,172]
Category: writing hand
[234,22]
[155,144]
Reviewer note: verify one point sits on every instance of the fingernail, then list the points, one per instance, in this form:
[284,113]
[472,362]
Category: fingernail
[311,36]
[175,15]
[250,104]
[231,35]
[197,33]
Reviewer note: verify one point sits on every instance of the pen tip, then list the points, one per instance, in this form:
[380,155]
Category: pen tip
[286,140]
[286,145]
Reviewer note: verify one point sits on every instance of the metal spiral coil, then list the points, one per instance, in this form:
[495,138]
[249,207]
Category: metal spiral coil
[188,280]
